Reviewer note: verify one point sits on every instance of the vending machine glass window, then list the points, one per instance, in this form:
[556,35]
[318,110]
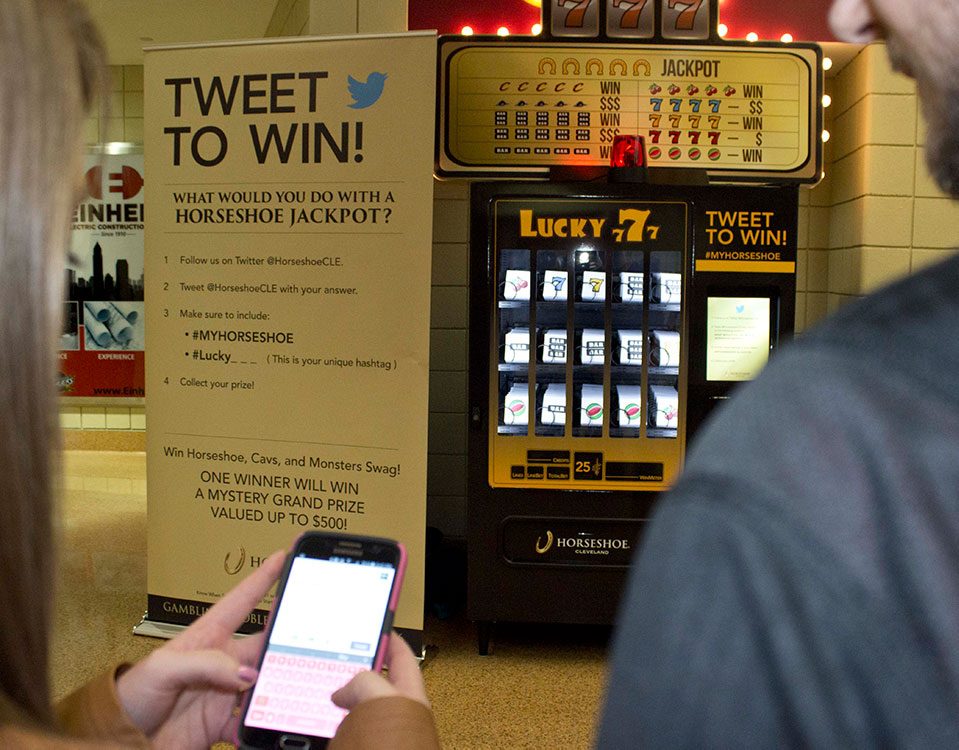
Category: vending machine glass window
[514,341]
[587,347]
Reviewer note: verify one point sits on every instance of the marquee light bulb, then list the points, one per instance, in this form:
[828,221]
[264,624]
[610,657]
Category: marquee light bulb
[786,38]
[752,36]
[826,100]
[826,63]
[722,29]
[537,29]
[502,31]
[825,136]
[467,31]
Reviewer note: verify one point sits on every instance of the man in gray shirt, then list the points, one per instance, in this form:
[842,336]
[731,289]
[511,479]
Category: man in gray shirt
[800,585]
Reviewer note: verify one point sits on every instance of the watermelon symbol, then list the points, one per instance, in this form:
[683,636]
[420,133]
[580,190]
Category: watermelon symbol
[594,411]
[675,153]
[655,152]
[713,154]
[694,153]
[632,411]
[517,407]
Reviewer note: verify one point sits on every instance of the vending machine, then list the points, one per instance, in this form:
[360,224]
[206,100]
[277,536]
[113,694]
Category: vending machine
[612,307]
[599,341]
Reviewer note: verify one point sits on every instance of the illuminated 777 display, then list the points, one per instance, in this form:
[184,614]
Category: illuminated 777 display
[740,112]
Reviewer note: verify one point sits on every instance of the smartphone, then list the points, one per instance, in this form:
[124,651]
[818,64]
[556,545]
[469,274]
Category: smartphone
[331,618]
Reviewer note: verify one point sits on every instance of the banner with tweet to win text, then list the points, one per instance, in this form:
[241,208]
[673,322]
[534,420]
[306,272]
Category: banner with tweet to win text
[288,275]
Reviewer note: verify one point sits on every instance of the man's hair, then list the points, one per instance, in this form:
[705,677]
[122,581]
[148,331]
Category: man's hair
[52,70]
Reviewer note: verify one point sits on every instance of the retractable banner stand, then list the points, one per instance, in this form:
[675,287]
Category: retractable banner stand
[288,266]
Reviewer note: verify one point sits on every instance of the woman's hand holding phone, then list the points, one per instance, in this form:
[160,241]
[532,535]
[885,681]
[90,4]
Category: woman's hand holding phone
[403,678]
[183,694]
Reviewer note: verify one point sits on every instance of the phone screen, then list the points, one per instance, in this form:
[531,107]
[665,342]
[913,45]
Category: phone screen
[326,629]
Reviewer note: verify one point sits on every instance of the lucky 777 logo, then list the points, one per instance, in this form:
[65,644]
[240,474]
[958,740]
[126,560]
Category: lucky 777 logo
[677,15]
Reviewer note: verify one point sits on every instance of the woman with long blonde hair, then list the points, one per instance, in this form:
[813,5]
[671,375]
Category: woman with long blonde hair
[183,695]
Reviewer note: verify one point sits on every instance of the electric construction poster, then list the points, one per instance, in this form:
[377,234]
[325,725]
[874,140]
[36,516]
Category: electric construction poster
[102,342]
[288,265]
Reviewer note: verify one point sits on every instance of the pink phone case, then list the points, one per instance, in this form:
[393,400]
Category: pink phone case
[384,637]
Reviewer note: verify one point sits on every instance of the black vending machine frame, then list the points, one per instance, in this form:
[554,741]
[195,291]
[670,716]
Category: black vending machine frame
[503,586]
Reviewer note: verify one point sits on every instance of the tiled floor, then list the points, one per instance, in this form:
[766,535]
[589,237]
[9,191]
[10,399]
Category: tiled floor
[540,688]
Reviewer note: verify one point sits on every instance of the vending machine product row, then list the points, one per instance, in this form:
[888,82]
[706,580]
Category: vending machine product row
[606,321]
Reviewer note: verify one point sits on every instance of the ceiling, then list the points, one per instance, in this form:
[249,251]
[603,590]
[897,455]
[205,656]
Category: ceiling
[129,25]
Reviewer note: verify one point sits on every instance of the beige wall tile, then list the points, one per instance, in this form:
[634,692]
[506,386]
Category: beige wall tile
[449,307]
[450,264]
[922,257]
[447,434]
[111,130]
[846,173]
[117,418]
[802,227]
[842,270]
[836,301]
[450,221]
[116,104]
[93,417]
[892,119]
[133,129]
[887,221]
[447,392]
[446,475]
[802,265]
[800,325]
[922,127]
[880,77]
[133,78]
[820,194]
[848,86]
[817,307]
[91,131]
[845,227]
[936,223]
[70,417]
[875,267]
[849,131]
[133,104]
[116,77]
[138,418]
[817,271]
[926,186]
[818,227]
[448,350]
[889,170]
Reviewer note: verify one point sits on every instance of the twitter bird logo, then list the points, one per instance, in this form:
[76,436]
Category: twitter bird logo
[366,94]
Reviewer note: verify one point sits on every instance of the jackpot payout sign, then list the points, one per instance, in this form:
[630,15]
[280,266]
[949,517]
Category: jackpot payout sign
[737,111]
[288,265]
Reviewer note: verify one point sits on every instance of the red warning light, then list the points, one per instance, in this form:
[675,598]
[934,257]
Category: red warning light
[629,151]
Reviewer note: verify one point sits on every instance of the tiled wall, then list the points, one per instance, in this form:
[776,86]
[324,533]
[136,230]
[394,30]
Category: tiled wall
[877,216]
